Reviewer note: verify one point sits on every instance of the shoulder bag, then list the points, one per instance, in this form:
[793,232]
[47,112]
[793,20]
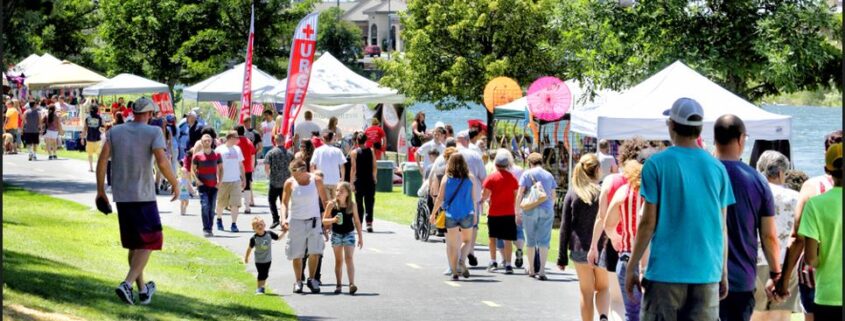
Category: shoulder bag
[536,196]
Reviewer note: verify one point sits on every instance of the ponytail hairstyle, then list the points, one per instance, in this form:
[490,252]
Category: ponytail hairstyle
[632,171]
[583,178]
[51,114]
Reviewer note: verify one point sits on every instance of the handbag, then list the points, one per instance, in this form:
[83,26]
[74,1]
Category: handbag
[536,196]
[423,191]
[440,221]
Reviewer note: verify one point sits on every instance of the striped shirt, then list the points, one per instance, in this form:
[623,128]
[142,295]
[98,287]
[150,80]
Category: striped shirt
[629,211]
[206,167]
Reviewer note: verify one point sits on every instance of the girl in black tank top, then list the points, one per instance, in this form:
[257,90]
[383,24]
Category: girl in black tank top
[342,214]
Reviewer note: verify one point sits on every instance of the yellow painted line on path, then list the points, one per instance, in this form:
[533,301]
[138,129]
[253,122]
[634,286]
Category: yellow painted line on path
[376,250]
[491,304]
[413,266]
[453,284]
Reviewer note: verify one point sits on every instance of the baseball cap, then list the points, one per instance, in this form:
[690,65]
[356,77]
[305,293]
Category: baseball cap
[463,134]
[170,118]
[439,124]
[684,108]
[502,160]
[833,154]
[143,105]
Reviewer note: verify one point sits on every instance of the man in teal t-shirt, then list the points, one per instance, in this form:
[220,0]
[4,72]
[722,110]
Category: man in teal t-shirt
[821,226]
[687,192]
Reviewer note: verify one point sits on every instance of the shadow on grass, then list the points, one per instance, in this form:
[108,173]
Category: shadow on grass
[58,282]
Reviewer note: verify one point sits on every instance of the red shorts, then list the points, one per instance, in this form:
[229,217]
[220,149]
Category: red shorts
[140,225]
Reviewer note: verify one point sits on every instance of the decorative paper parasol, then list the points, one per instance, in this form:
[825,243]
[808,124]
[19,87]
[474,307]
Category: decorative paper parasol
[500,91]
[542,83]
[550,103]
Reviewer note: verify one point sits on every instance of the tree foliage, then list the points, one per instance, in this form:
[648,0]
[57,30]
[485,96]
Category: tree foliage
[188,40]
[751,47]
[453,48]
[339,37]
[63,28]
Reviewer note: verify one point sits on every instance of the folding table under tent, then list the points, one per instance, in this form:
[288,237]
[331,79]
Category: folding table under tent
[639,111]
[125,84]
[63,75]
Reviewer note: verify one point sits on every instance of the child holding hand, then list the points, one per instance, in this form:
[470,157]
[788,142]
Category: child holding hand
[261,242]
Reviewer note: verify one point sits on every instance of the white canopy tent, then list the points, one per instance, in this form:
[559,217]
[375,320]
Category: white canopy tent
[332,83]
[125,84]
[63,75]
[639,111]
[27,62]
[228,85]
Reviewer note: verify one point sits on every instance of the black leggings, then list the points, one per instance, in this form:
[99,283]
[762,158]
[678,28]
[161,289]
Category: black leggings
[365,199]
[263,270]
[275,193]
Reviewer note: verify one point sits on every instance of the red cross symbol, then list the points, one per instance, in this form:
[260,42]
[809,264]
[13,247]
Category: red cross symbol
[308,31]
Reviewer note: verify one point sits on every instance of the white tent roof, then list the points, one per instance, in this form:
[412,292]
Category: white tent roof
[35,64]
[63,75]
[580,100]
[639,111]
[125,84]
[332,83]
[228,85]
[27,62]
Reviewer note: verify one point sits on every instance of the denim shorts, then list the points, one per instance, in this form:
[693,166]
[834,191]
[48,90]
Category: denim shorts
[343,239]
[538,227]
[466,222]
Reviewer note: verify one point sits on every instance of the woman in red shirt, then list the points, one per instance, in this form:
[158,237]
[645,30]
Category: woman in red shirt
[376,138]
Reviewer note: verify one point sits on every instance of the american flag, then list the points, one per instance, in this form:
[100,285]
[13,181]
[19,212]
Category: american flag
[231,112]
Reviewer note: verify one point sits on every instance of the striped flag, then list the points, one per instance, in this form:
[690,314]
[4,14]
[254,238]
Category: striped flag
[246,95]
[231,112]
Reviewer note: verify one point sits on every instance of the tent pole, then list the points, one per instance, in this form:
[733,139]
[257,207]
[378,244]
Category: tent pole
[571,148]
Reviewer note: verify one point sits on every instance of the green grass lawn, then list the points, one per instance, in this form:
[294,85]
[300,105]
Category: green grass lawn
[63,259]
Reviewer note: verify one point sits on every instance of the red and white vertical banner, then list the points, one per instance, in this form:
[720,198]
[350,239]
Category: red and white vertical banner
[299,72]
[246,96]
[164,102]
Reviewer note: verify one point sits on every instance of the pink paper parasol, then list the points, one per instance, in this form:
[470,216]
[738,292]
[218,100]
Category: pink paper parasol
[542,83]
[550,103]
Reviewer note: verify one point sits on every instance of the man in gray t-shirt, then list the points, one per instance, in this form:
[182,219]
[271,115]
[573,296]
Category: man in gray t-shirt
[132,147]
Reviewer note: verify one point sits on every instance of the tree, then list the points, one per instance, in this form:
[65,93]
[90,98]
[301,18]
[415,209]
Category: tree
[187,40]
[753,48]
[453,48]
[339,37]
[63,28]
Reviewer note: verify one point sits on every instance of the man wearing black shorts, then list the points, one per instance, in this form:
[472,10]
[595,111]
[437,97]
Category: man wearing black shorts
[32,125]
[131,148]
[500,188]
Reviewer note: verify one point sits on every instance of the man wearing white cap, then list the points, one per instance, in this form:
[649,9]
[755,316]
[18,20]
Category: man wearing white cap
[687,192]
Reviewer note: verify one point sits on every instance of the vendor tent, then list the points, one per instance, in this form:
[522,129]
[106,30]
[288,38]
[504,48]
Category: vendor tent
[639,111]
[332,83]
[228,85]
[63,75]
[27,62]
[125,84]
[518,109]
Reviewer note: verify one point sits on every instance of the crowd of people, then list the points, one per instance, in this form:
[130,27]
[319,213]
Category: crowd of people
[668,228]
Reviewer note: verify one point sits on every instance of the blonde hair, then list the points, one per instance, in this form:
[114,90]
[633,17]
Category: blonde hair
[583,178]
[256,221]
[350,202]
[632,171]
[449,152]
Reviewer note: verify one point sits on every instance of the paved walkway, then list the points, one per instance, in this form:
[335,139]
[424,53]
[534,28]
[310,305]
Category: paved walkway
[398,278]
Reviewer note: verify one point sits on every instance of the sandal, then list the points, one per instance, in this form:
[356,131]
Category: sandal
[454,277]
[337,290]
[352,289]
[542,277]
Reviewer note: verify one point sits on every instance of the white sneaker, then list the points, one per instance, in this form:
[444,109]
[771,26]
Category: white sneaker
[145,298]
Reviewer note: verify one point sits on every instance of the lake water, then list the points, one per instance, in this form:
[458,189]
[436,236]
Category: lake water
[809,125]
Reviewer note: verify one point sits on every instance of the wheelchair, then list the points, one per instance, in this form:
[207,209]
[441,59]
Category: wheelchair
[423,229]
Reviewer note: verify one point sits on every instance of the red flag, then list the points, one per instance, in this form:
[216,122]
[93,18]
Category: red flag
[246,96]
[299,71]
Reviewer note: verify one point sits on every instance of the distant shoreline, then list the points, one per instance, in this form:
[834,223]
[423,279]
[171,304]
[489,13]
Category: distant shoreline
[795,106]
